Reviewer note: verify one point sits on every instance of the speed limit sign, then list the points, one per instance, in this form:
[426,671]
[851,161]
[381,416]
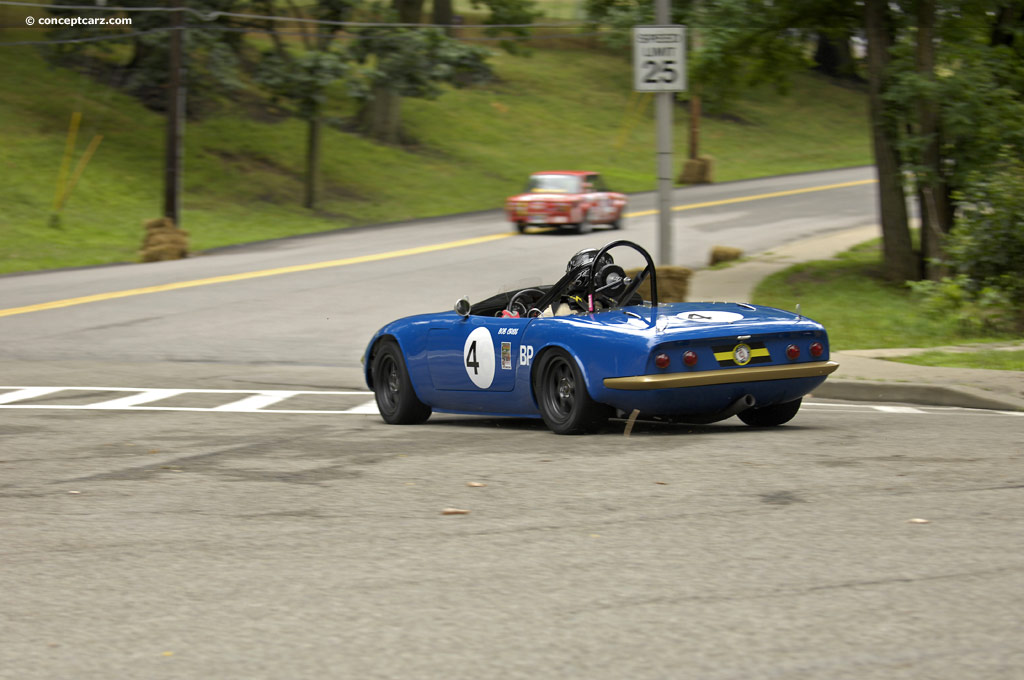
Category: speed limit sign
[659,58]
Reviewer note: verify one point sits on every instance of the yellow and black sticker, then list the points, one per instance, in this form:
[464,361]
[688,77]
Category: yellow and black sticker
[742,354]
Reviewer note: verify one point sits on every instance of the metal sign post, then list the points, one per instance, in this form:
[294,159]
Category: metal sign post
[659,66]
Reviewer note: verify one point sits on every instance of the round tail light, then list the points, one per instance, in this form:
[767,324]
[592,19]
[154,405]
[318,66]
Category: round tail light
[661,361]
[690,357]
[793,352]
[817,349]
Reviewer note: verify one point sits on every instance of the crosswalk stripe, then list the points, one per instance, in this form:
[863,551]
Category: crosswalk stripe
[255,402]
[369,408]
[23,393]
[136,399]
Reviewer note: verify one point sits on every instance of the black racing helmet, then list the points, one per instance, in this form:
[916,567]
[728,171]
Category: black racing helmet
[584,257]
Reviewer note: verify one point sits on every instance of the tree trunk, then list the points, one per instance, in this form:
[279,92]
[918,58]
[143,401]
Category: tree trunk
[380,116]
[312,162]
[409,11]
[834,58]
[444,15]
[931,187]
[899,259]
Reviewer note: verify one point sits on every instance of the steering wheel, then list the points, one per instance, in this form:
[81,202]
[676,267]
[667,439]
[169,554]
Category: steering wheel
[618,292]
[517,307]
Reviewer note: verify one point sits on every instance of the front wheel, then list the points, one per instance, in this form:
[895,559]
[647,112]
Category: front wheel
[565,404]
[521,227]
[392,388]
[584,226]
[770,416]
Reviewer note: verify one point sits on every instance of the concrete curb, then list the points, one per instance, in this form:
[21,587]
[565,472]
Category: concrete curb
[917,393]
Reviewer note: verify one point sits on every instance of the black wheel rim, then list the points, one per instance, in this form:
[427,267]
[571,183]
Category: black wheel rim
[559,390]
[390,384]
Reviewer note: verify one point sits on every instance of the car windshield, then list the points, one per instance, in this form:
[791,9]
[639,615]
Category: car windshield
[567,184]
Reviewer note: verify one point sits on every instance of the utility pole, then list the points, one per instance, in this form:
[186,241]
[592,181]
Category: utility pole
[659,66]
[175,116]
[663,122]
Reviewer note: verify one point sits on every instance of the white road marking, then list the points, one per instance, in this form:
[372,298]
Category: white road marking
[136,399]
[847,407]
[257,401]
[369,408]
[252,401]
[899,409]
[23,393]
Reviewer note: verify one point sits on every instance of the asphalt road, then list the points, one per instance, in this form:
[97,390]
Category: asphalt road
[368,277]
[307,539]
[251,545]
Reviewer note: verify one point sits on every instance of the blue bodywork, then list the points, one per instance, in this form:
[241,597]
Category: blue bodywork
[491,372]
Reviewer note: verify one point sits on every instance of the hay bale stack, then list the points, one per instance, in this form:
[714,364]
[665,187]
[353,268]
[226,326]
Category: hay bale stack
[673,283]
[163,241]
[697,171]
[723,254]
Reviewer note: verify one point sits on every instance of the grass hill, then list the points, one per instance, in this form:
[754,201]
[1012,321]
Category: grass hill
[558,108]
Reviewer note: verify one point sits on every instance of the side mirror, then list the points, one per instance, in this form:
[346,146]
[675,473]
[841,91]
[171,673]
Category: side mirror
[462,307]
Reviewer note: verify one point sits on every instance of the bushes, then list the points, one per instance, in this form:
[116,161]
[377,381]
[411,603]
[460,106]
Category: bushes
[985,253]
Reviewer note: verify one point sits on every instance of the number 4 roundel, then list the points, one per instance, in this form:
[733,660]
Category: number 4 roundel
[478,357]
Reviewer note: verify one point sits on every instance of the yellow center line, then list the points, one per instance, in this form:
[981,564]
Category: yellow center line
[250,275]
[100,297]
[757,197]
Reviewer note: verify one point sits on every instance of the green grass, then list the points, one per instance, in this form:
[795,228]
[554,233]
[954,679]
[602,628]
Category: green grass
[860,309]
[1001,360]
[243,167]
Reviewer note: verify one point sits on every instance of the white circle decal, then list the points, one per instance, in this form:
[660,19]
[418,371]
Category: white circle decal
[709,316]
[478,357]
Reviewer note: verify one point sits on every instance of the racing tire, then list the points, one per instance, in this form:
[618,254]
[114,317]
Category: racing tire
[616,224]
[521,227]
[770,416]
[584,226]
[392,388]
[565,404]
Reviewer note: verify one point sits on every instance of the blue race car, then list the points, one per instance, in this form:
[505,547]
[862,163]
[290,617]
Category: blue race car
[588,348]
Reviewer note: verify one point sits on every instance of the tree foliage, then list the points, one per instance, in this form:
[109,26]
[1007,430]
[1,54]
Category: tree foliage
[509,18]
[414,62]
[392,63]
[985,252]
[213,62]
[300,82]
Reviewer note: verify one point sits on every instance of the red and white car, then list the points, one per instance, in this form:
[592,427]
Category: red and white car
[575,199]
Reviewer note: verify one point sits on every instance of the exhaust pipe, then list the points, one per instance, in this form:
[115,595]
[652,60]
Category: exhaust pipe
[741,404]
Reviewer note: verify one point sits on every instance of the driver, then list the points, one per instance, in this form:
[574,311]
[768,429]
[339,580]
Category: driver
[575,299]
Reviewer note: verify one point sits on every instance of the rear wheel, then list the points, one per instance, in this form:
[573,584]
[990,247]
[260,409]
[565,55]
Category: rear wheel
[392,388]
[770,416]
[521,226]
[565,404]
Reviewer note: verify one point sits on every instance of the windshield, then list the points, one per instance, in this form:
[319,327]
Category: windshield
[566,184]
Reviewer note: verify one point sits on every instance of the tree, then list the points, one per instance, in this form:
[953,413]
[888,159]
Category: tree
[508,17]
[955,86]
[897,252]
[302,79]
[212,53]
[407,62]
[945,88]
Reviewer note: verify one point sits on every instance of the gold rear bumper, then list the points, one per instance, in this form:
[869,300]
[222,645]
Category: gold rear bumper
[663,381]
